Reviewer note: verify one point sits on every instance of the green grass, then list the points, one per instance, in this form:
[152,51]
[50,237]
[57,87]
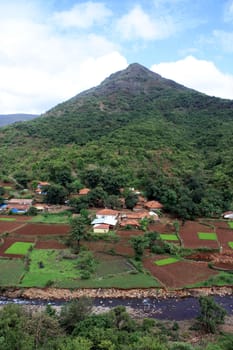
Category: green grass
[11,271]
[168,237]
[166,261]
[51,219]
[19,248]
[221,279]
[116,266]
[123,281]
[7,219]
[64,273]
[230,223]
[230,244]
[207,236]
[55,268]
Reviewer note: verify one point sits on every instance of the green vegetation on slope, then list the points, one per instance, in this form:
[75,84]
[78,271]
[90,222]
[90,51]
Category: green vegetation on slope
[138,128]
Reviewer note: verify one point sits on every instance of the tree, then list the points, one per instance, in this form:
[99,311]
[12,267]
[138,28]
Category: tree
[79,226]
[97,197]
[55,194]
[211,315]
[74,312]
[13,335]
[130,200]
[138,244]
[42,327]
[60,173]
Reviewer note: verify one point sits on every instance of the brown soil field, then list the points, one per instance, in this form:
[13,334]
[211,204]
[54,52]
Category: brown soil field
[188,234]
[224,233]
[43,229]
[178,274]
[123,247]
[8,226]
[161,227]
[129,233]
[51,244]
[7,243]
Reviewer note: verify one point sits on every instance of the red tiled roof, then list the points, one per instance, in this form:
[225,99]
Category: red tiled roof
[43,183]
[107,212]
[127,222]
[84,191]
[153,205]
[137,215]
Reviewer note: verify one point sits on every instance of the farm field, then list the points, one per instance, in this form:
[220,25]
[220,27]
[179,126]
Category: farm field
[113,256]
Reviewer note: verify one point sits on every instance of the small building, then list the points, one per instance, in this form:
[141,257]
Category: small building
[130,222]
[101,228]
[106,217]
[41,187]
[153,205]
[228,215]
[20,201]
[84,191]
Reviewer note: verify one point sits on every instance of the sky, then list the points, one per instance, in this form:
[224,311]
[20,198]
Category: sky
[51,50]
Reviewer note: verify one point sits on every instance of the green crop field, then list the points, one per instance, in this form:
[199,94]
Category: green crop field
[11,271]
[230,224]
[51,219]
[123,281]
[168,237]
[19,248]
[7,219]
[208,236]
[55,268]
[166,261]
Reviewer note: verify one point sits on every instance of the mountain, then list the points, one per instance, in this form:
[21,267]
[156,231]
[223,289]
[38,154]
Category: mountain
[6,119]
[134,129]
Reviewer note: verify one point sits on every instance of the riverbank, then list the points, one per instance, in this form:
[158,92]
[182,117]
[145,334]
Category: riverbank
[68,294]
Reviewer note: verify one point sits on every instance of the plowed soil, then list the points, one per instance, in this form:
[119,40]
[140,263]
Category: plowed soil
[8,226]
[224,233]
[51,244]
[178,274]
[43,229]
[189,235]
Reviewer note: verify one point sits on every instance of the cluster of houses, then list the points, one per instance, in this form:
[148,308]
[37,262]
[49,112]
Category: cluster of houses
[107,219]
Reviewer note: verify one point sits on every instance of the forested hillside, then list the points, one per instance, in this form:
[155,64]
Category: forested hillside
[135,129]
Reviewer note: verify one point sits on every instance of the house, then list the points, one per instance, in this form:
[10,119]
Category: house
[20,201]
[84,191]
[17,208]
[101,228]
[107,213]
[140,203]
[228,215]
[136,215]
[106,216]
[153,205]
[41,187]
[130,222]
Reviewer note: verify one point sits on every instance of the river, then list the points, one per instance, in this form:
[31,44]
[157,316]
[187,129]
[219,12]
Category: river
[176,309]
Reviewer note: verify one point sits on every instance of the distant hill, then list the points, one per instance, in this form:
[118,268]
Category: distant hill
[6,119]
[135,129]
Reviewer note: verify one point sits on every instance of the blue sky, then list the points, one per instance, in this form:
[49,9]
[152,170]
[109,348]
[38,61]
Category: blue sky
[52,50]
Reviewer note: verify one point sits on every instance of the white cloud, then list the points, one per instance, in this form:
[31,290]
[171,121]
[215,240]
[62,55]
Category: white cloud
[137,24]
[83,15]
[40,67]
[197,74]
